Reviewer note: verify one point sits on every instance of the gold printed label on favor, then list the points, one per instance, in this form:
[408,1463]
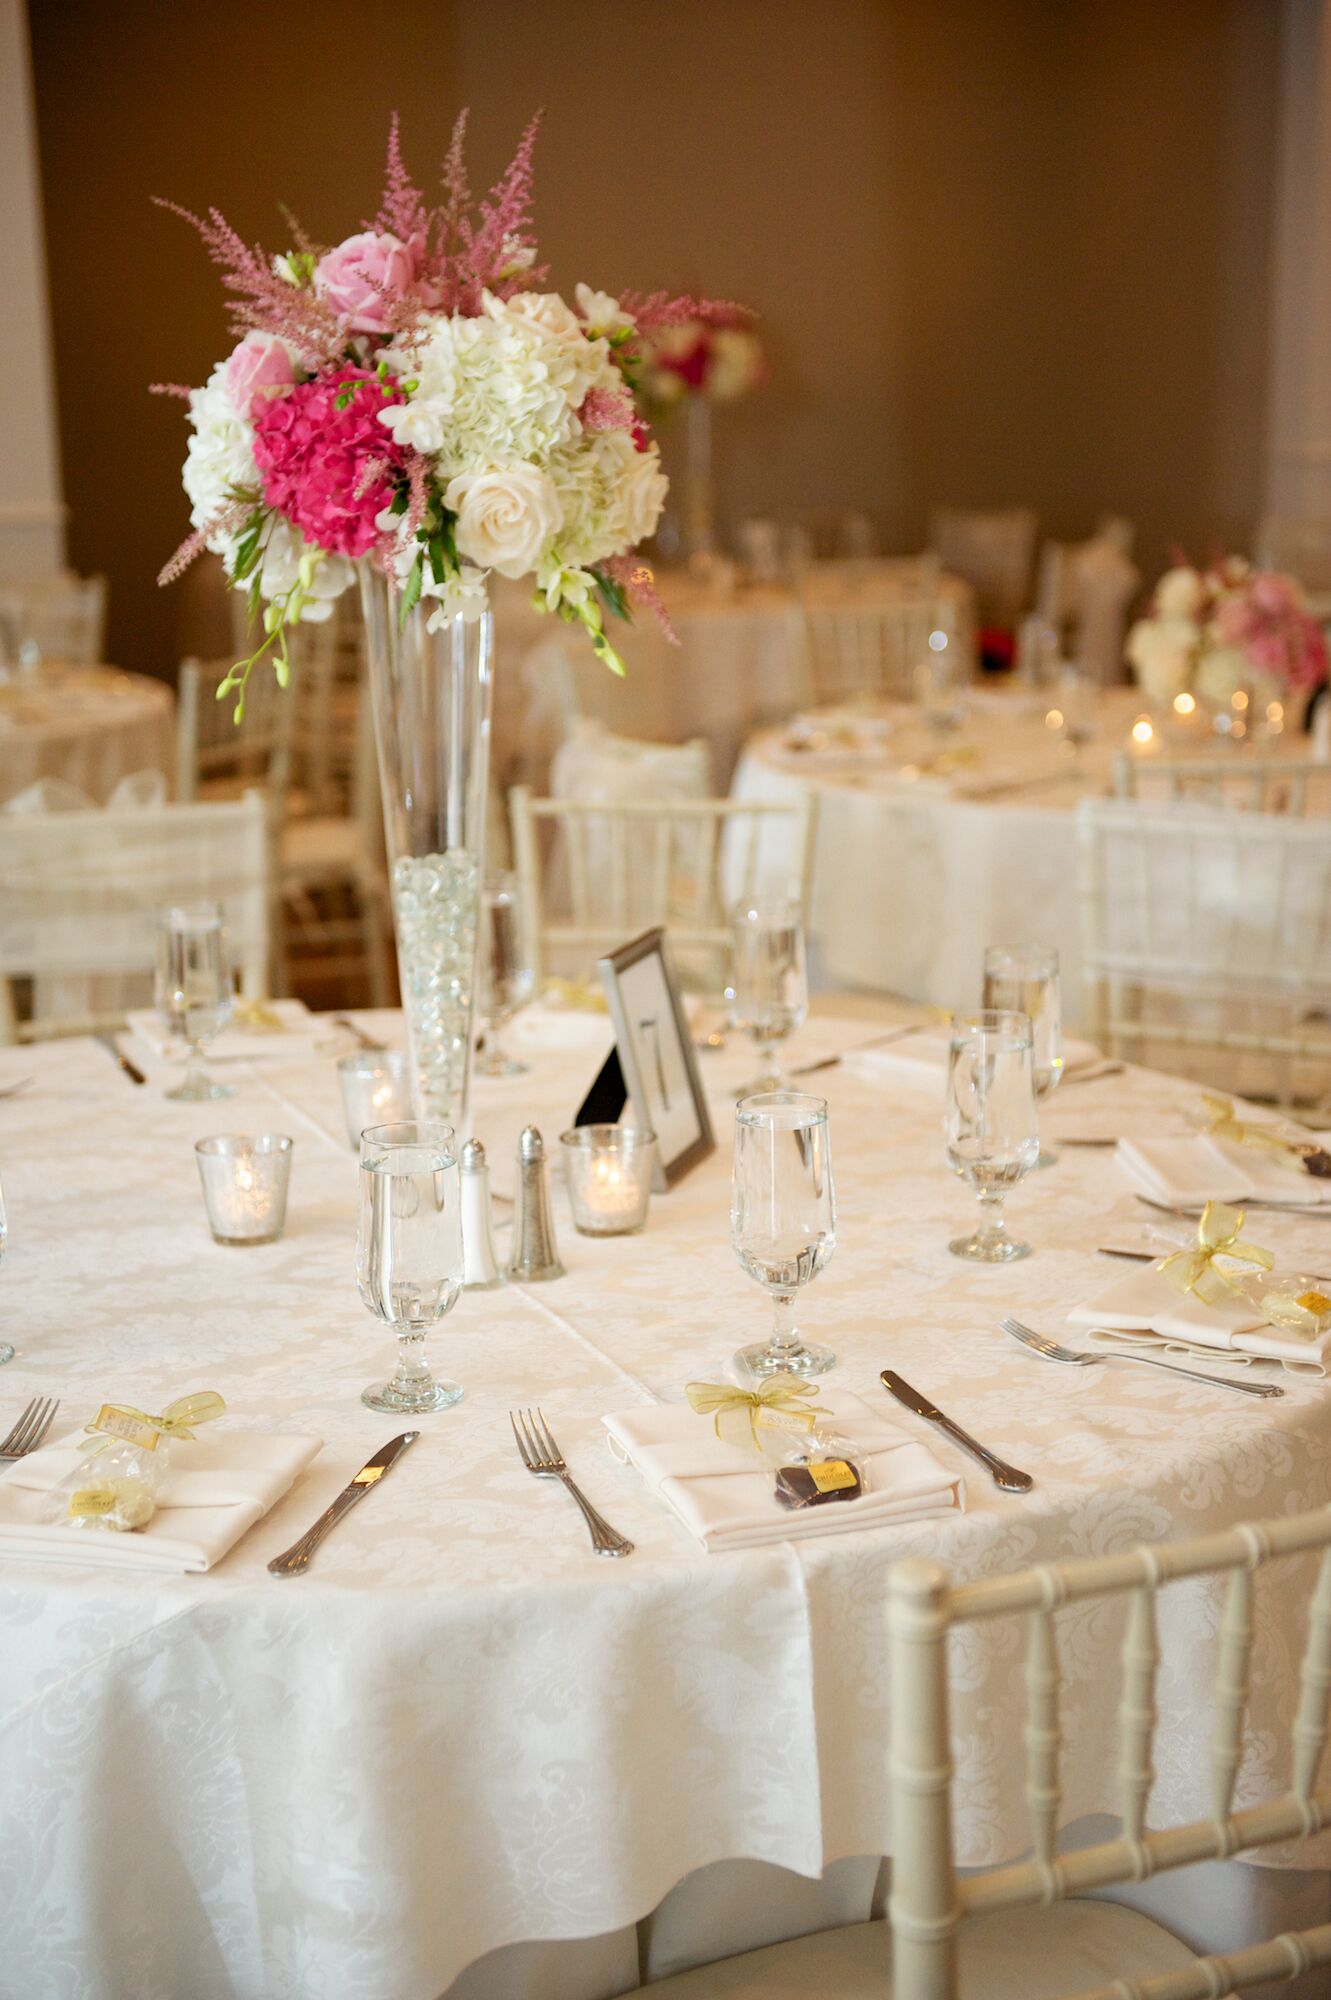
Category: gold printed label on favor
[1315,1302]
[830,1475]
[120,1424]
[90,1501]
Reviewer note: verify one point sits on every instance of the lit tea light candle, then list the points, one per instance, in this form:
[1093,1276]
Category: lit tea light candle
[609,1172]
[1143,730]
[1185,704]
[245,1178]
[376,1090]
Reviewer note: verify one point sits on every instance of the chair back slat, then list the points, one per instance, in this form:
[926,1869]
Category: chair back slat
[1043,1792]
[1263,784]
[1231,1691]
[1314,1687]
[1137,1714]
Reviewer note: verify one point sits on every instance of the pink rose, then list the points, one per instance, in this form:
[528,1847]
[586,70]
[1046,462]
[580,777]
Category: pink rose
[259,366]
[361,274]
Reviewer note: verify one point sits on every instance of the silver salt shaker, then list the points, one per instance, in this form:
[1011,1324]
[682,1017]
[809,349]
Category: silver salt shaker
[534,1253]
[480,1265]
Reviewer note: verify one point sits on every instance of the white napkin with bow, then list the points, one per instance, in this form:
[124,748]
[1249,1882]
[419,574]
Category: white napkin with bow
[296,1036]
[1143,1304]
[726,1495]
[1187,1173]
[216,1487]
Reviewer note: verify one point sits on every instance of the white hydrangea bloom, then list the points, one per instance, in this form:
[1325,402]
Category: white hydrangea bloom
[220,455]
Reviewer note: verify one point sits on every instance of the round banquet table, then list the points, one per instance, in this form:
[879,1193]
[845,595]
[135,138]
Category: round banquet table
[91,726]
[740,663]
[931,847]
[460,1730]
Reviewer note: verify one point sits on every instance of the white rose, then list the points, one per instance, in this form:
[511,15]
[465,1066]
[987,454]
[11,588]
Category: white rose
[505,517]
[1162,652]
[1180,593]
[548,311]
[602,313]
[642,495]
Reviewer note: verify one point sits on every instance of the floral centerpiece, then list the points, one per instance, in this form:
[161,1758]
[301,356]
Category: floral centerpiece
[720,358]
[1231,627]
[410,409]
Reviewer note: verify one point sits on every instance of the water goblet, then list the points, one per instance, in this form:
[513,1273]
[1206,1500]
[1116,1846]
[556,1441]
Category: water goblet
[769,990]
[506,975]
[409,1252]
[1026,981]
[193,991]
[989,1123]
[783,1219]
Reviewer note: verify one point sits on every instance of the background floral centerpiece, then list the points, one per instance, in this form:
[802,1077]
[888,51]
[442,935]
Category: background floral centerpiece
[719,357]
[1216,631]
[409,408]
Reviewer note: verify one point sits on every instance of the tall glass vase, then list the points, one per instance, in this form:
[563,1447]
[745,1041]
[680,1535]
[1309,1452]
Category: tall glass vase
[699,506]
[431,693]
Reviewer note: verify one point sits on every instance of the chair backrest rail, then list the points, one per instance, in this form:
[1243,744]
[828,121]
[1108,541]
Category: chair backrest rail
[1284,1957]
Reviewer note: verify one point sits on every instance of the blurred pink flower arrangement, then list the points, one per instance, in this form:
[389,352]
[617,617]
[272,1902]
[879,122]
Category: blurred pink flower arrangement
[1214,631]
[719,357]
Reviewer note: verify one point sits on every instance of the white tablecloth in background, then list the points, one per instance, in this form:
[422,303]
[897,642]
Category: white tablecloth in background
[915,873]
[91,726]
[740,664]
[461,1729]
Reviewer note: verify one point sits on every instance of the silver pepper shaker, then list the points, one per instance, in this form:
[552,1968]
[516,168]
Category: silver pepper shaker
[534,1253]
[480,1266]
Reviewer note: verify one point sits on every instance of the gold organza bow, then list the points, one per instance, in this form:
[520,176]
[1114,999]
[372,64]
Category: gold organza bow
[1224,1125]
[176,1420]
[737,1413]
[258,1015]
[1219,1234]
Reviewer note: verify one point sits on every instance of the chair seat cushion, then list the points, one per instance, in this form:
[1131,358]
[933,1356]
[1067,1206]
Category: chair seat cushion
[1010,1955]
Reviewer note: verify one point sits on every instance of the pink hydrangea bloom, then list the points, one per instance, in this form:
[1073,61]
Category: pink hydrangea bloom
[260,365]
[315,458]
[361,277]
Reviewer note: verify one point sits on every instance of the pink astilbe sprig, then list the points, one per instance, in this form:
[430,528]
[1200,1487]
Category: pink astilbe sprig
[417,468]
[653,310]
[496,252]
[403,211]
[231,517]
[608,410]
[180,389]
[262,302]
[638,583]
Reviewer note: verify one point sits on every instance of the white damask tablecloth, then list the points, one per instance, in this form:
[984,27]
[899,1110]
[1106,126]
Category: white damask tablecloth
[930,847]
[460,1729]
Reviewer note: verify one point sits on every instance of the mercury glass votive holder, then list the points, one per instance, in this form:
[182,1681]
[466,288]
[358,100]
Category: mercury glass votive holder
[245,1177]
[376,1090]
[609,1171]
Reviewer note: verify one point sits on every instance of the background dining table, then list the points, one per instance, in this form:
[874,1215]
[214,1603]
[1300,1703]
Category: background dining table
[90,726]
[933,843]
[460,1733]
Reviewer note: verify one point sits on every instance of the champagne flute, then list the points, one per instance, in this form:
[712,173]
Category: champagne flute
[769,989]
[1026,982]
[783,1219]
[989,1123]
[409,1252]
[506,973]
[193,990]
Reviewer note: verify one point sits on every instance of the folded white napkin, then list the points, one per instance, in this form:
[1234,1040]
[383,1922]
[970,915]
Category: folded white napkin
[726,1495]
[1185,1173]
[297,1035]
[925,1053]
[216,1487]
[1141,1302]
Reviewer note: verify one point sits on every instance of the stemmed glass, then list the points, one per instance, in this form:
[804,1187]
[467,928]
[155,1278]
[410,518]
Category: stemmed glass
[409,1252]
[1026,982]
[989,1123]
[506,974]
[193,990]
[783,1218]
[769,990]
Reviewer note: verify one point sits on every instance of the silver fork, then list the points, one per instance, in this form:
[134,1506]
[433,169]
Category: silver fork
[30,1429]
[541,1455]
[1050,1350]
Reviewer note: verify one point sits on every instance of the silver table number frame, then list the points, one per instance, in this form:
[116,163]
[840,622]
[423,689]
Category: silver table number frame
[656,1054]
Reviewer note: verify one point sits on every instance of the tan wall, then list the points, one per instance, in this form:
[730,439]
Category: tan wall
[1003,249]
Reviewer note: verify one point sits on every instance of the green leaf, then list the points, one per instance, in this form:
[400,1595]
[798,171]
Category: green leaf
[613,594]
[247,553]
[412,589]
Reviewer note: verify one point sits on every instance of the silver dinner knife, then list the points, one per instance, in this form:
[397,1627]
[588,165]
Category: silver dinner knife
[297,1557]
[1003,1475]
[122,1061]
